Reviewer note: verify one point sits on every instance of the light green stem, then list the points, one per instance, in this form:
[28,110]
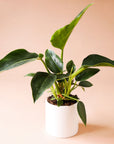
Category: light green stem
[69,85]
[72,76]
[75,86]
[53,91]
[52,88]
[70,97]
[45,65]
[57,88]
[62,55]
[77,72]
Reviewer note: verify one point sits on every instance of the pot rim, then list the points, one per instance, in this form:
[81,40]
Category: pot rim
[61,105]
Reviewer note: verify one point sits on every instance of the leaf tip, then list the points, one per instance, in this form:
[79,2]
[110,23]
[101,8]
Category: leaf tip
[85,124]
[90,4]
[34,100]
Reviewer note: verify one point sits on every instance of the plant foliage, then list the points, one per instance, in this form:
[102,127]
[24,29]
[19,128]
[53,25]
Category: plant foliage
[61,82]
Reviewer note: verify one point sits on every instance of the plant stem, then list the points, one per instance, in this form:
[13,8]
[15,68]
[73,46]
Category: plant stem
[52,88]
[57,88]
[75,86]
[45,65]
[70,97]
[62,55]
[77,72]
[71,77]
[53,91]
[69,86]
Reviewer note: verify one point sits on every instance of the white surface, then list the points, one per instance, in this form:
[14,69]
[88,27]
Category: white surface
[61,121]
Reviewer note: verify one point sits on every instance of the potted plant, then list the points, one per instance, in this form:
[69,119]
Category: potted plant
[61,114]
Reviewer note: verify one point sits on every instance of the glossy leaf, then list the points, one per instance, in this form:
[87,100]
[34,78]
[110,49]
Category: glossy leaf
[53,61]
[70,66]
[40,82]
[16,58]
[60,37]
[87,73]
[97,60]
[82,111]
[85,84]
[62,76]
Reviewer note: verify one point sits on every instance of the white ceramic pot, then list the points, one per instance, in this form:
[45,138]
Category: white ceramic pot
[61,121]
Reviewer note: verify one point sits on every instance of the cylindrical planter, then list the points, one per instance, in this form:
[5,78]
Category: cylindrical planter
[61,121]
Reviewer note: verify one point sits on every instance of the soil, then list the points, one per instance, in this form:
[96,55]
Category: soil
[65,102]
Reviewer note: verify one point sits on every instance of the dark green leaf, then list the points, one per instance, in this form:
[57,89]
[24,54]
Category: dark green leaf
[81,111]
[16,58]
[70,67]
[30,74]
[97,60]
[60,37]
[85,84]
[40,82]
[62,76]
[87,73]
[53,61]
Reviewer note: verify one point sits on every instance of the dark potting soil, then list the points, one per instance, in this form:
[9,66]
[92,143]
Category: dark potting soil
[65,102]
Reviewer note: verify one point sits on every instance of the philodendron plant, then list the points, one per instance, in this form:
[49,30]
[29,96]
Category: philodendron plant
[60,81]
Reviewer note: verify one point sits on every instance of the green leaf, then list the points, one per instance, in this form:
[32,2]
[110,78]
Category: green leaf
[40,82]
[30,74]
[82,111]
[85,84]
[60,37]
[87,73]
[16,58]
[97,60]
[70,66]
[62,76]
[59,102]
[53,61]
[40,56]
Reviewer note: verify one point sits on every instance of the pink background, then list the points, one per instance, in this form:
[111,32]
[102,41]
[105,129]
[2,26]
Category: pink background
[29,24]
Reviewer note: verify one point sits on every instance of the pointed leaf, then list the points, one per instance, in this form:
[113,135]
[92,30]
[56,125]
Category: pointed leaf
[40,82]
[60,37]
[82,111]
[87,73]
[53,61]
[16,58]
[97,60]
[85,84]
[30,74]
[70,66]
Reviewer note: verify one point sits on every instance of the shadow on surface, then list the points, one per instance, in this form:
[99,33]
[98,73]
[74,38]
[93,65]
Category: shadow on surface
[89,128]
